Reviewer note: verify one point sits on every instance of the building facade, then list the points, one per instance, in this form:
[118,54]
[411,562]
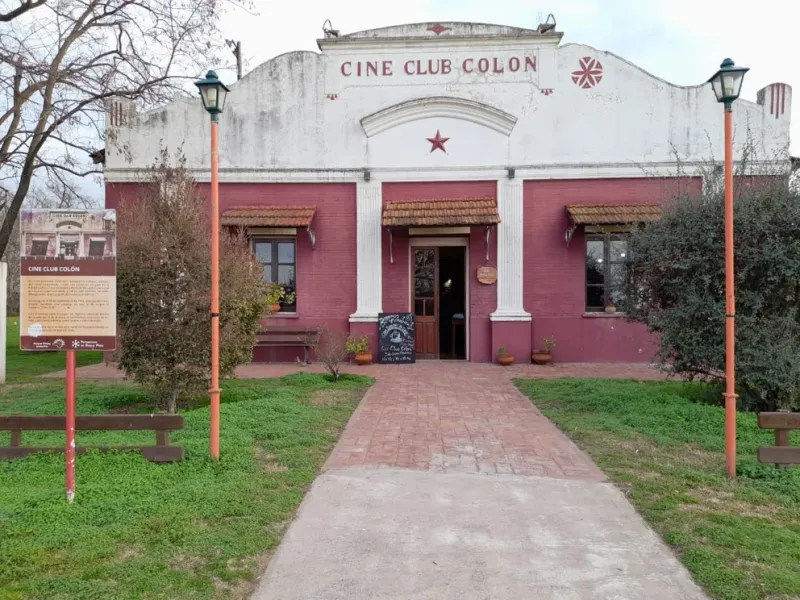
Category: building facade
[481,177]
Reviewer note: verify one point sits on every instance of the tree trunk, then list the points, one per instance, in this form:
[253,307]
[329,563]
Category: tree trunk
[172,404]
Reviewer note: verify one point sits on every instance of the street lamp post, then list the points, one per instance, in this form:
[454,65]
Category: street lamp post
[213,93]
[727,83]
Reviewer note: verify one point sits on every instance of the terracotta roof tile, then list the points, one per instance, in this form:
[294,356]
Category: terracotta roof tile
[444,212]
[269,216]
[592,214]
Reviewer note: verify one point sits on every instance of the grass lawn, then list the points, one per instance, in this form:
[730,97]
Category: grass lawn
[664,447]
[189,530]
[24,365]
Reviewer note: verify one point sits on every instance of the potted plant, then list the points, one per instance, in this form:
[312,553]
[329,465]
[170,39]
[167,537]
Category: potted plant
[543,357]
[503,357]
[277,294]
[359,348]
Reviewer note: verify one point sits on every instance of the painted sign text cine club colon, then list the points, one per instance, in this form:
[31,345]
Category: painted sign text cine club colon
[68,280]
[439,66]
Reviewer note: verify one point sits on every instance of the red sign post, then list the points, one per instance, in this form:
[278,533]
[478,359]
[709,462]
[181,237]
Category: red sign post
[68,293]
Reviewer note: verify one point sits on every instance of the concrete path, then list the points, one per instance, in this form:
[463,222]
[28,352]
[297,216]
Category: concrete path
[449,484]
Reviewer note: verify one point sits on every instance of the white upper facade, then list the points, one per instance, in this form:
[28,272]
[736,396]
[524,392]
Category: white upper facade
[447,99]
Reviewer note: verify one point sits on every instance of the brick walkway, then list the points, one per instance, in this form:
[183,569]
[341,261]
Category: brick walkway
[452,417]
[456,418]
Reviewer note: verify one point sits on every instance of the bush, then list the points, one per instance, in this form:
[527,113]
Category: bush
[676,286]
[163,282]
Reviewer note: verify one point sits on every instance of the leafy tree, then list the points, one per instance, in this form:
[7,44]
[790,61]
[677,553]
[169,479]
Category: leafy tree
[163,283]
[676,286]
[60,61]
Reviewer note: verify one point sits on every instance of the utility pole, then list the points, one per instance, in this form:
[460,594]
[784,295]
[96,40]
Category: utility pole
[236,48]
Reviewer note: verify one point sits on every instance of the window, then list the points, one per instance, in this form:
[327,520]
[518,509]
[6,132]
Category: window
[39,248]
[278,258]
[97,248]
[605,269]
[69,249]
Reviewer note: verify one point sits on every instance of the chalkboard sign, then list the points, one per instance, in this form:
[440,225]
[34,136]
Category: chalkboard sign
[396,338]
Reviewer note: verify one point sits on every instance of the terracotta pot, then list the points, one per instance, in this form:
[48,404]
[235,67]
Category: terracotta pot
[363,358]
[540,357]
[275,307]
[505,359]
[611,309]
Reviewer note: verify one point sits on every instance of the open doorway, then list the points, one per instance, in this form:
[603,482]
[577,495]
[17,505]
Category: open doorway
[452,303]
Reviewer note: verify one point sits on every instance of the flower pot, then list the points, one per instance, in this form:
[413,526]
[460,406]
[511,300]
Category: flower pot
[505,359]
[540,357]
[363,358]
[275,307]
[611,309]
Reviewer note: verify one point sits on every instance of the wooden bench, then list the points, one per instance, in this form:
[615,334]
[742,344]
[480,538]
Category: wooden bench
[305,337]
[782,454]
[161,424]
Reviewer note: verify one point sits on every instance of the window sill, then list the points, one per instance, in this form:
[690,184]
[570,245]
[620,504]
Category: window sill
[603,315]
[284,315]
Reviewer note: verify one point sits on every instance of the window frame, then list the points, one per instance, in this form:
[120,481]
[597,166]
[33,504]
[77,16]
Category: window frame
[606,239]
[103,250]
[275,263]
[34,244]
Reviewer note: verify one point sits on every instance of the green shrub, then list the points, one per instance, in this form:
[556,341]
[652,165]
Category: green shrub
[676,286]
[163,283]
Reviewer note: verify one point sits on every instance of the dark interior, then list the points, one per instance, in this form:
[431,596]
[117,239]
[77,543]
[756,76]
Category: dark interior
[452,302]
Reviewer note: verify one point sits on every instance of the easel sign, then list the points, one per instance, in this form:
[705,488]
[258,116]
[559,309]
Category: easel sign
[68,292]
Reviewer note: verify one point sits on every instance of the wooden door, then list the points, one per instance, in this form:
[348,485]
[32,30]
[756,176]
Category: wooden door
[425,301]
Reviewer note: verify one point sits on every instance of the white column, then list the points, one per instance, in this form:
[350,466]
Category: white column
[369,204]
[509,253]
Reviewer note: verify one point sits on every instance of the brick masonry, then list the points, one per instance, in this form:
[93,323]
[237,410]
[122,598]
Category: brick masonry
[554,281]
[554,273]
[326,276]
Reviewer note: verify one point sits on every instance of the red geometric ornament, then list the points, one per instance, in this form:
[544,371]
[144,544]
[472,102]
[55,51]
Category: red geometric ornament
[437,143]
[438,28]
[590,73]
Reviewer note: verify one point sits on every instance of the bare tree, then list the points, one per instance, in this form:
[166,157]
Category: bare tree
[61,60]
[23,6]
[331,351]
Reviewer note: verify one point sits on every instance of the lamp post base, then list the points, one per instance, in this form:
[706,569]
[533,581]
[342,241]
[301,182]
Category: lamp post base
[214,394]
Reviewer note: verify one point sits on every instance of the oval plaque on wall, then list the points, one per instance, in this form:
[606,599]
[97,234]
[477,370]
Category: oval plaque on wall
[487,275]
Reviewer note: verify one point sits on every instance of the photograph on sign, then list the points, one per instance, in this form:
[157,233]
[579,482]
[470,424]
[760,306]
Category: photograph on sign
[68,290]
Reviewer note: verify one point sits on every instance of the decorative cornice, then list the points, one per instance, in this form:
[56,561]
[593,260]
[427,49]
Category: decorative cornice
[440,107]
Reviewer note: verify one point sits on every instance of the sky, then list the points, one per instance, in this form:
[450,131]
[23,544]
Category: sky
[681,41]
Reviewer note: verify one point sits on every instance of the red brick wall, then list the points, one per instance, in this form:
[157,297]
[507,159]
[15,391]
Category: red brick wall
[396,285]
[554,284]
[326,276]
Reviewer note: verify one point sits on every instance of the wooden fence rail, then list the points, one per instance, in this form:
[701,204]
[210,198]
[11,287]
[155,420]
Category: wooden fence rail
[782,454]
[161,424]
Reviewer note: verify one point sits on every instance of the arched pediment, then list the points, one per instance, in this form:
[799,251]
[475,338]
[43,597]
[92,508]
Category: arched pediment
[442,107]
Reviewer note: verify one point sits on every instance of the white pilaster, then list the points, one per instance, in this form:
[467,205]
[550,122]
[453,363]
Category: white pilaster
[369,203]
[509,253]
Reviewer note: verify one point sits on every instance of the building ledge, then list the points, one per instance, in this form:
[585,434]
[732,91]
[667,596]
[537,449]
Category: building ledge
[364,318]
[603,315]
[510,317]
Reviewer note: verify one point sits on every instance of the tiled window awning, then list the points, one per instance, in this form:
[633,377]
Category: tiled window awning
[596,214]
[269,216]
[441,213]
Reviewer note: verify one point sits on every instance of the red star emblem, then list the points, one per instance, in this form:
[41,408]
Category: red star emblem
[438,28]
[590,73]
[437,143]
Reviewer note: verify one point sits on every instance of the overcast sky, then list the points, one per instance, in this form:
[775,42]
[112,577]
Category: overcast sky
[682,41]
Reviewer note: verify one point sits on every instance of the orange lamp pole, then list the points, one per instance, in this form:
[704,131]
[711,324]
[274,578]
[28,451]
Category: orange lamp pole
[730,305]
[213,93]
[726,84]
[215,390]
